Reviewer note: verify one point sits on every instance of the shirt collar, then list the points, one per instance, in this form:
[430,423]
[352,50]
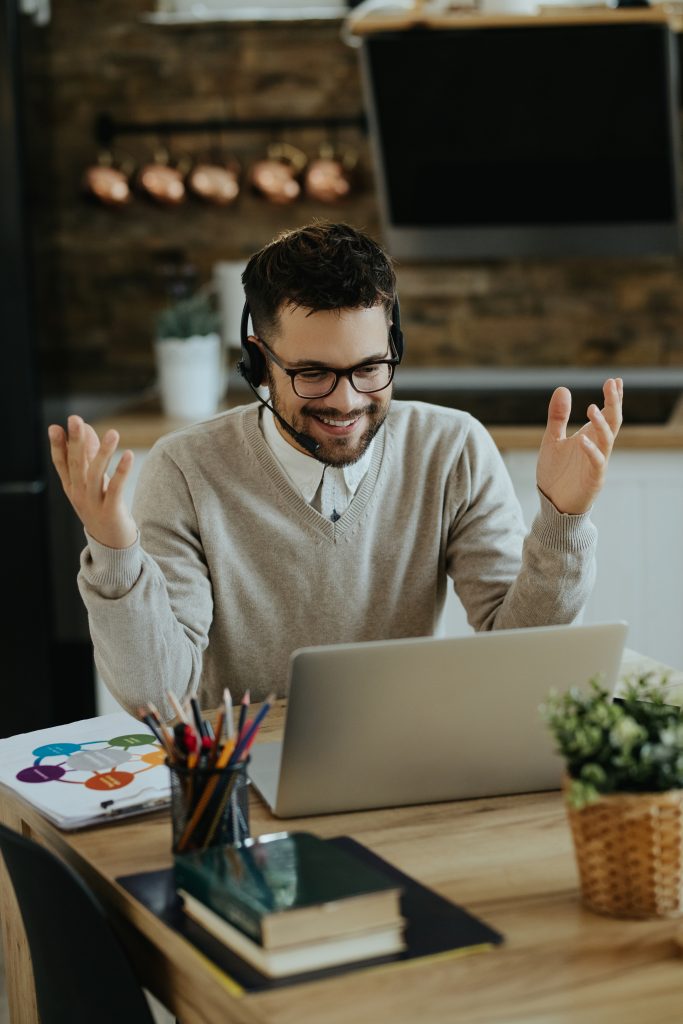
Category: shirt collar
[303,470]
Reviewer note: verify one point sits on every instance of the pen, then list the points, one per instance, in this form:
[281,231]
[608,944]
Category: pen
[111,809]
[246,740]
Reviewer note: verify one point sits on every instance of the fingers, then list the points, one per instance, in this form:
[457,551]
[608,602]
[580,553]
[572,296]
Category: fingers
[602,431]
[91,442]
[120,475]
[76,454]
[613,390]
[605,422]
[559,409]
[81,460]
[596,457]
[58,453]
[97,481]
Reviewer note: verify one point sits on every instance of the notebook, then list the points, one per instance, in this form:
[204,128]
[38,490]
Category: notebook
[395,722]
[88,772]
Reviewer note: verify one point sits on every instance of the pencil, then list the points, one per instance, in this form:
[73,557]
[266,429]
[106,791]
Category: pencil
[245,741]
[153,721]
[177,707]
[199,721]
[228,720]
[218,729]
[243,714]
[221,762]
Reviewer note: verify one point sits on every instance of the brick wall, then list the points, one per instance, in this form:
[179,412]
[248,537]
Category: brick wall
[99,273]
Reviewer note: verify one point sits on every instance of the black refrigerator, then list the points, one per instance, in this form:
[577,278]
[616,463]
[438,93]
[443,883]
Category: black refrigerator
[38,684]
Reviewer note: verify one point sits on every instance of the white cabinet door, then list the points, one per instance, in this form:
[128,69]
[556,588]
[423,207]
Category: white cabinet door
[639,516]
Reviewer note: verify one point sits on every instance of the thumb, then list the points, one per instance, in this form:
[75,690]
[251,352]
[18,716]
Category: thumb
[559,408]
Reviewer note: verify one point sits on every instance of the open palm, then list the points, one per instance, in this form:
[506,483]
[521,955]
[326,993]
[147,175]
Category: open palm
[571,470]
[81,462]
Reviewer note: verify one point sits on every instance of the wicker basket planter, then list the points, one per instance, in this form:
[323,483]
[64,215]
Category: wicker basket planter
[629,853]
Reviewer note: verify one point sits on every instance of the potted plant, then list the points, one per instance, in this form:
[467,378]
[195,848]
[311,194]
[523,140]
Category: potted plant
[189,357]
[624,794]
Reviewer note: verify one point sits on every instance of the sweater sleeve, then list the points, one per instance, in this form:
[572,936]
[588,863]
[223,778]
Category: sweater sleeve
[150,606]
[505,579]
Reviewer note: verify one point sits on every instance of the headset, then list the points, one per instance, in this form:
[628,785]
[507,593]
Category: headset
[252,366]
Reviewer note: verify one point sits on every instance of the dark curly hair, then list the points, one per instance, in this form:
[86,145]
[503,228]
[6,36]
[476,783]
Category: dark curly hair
[318,266]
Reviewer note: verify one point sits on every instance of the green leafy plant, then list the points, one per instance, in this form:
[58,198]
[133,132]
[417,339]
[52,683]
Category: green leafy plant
[187,317]
[634,746]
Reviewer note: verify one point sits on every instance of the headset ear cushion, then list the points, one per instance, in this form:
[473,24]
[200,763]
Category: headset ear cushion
[254,363]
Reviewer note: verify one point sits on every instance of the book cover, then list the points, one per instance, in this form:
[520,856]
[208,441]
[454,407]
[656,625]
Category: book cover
[290,887]
[299,957]
[434,925]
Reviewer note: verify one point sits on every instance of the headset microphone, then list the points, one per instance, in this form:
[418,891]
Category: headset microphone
[304,440]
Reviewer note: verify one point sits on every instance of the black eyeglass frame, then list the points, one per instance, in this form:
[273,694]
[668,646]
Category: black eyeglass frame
[392,363]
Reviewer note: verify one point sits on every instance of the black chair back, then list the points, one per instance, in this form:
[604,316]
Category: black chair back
[80,970]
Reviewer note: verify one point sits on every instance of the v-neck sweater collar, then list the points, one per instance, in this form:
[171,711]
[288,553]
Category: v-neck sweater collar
[293,497]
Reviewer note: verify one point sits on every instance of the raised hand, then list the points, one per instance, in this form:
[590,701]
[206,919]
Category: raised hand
[81,461]
[571,470]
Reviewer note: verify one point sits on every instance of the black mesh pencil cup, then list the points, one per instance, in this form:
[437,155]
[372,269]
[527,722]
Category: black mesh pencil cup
[209,805]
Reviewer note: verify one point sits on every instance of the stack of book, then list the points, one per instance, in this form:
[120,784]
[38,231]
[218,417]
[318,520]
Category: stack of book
[291,902]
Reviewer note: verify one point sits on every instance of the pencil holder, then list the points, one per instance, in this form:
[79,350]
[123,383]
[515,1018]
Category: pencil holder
[209,806]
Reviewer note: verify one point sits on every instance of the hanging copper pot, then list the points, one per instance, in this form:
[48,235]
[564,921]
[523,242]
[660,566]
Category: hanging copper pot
[327,178]
[215,182]
[162,182]
[275,177]
[106,183]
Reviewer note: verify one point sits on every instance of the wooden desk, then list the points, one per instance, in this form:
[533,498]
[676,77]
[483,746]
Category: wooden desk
[507,859]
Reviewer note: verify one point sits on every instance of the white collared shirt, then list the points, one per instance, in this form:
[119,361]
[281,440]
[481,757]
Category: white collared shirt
[306,473]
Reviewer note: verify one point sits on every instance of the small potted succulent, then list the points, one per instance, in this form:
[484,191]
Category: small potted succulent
[624,794]
[189,357]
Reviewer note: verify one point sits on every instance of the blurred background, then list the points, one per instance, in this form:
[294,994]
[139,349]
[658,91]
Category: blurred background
[146,151]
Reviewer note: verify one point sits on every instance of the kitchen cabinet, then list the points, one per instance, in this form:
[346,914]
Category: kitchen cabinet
[640,548]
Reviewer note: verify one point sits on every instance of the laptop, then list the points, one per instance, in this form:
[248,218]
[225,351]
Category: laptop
[394,722]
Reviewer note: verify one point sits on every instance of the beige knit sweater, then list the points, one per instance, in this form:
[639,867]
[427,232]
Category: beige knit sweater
[233,570]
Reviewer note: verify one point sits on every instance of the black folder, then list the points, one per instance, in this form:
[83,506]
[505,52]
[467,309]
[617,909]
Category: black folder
[434,925]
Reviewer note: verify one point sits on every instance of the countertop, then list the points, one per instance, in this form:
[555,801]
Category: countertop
[142,423]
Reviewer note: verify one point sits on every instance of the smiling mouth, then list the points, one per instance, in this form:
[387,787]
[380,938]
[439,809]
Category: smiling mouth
[331,421]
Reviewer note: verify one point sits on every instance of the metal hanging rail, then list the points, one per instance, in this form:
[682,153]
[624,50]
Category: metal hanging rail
[108,128]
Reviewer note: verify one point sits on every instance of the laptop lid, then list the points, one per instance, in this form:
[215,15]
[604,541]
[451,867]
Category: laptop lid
[394,722]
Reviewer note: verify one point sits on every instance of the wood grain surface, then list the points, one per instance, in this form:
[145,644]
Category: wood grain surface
[507,859]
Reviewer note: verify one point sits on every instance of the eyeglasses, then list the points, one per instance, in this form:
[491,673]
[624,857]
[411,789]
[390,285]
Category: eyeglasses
[319,381]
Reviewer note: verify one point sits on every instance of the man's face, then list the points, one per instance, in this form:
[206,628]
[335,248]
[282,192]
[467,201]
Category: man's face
[343,422]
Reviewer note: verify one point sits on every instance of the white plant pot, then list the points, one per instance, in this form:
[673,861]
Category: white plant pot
[190,375]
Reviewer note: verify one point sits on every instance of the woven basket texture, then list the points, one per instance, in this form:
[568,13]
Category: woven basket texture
[629,852]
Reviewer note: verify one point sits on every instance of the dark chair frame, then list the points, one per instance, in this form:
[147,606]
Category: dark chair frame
[81,971]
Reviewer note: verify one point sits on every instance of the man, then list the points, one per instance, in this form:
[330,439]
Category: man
[337,517]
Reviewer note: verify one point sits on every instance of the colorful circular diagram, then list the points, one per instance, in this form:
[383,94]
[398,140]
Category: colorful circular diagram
[96,764]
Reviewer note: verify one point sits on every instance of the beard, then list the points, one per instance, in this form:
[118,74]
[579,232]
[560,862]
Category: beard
[334,451]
